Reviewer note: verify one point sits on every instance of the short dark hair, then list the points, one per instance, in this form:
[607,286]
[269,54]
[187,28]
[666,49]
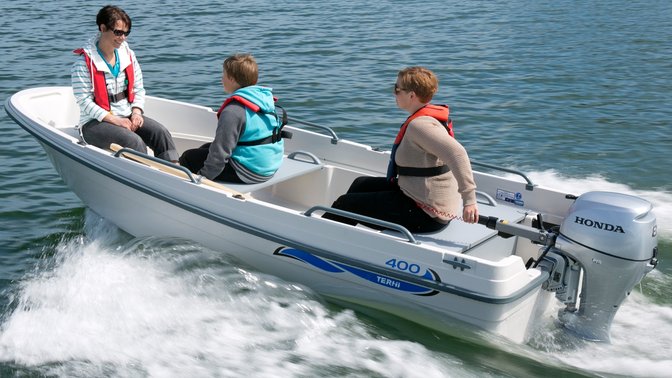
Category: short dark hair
[109,15]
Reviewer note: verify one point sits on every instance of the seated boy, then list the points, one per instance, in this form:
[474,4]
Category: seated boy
[247,147]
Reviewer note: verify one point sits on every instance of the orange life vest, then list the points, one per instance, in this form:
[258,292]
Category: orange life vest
[439,112]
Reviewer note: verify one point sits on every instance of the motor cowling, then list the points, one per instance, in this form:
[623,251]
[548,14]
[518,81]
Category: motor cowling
[612,236]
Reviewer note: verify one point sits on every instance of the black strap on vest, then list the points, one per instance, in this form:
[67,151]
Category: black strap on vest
[276,137]
[422,172]
[117,97]
[278,132]
[283,118]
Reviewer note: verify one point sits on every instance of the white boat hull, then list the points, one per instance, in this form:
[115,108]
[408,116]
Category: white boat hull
[478,278]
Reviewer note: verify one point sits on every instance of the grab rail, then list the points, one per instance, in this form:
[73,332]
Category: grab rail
[187,172]
[364,218]
[173,169]
[529,186]
[334,137]
[491,201]
[315,159]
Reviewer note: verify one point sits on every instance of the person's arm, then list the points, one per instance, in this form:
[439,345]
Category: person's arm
[230,126]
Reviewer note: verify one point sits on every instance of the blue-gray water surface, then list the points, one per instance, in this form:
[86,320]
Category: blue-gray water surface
[576,94]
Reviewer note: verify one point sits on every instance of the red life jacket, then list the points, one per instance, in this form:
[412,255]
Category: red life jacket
[100,95]
[245,102]
[439,112]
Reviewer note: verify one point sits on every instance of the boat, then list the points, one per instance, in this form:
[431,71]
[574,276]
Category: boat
[535,250]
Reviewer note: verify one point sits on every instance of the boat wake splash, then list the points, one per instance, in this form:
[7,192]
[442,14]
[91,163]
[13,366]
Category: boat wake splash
[109,304]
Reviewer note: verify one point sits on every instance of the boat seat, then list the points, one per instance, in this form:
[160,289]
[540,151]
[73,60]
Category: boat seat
[461,237]
[295,164]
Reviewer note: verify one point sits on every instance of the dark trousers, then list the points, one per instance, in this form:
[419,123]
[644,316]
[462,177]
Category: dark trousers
[152,134]
[193,160]
[378,198]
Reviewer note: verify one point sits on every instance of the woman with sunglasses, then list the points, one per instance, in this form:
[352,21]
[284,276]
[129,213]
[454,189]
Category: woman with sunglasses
[108,86]
[429,177]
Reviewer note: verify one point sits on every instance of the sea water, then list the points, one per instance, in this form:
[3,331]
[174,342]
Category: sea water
[577,95]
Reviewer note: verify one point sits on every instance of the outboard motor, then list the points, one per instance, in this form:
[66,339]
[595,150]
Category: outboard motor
[612,237]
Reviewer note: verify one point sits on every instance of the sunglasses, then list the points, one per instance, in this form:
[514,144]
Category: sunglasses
[119,33]
[398,89]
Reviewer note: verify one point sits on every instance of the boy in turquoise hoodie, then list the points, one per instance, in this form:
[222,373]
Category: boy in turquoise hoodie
[247,147]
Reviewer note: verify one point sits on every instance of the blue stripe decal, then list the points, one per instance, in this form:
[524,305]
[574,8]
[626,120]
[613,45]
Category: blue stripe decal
[308,259]
[333,267]
[429,275]
[386,281]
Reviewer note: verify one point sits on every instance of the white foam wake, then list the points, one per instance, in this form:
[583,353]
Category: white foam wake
[156,307]
[641,338]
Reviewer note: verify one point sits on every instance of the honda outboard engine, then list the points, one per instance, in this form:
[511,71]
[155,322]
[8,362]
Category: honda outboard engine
[612,237]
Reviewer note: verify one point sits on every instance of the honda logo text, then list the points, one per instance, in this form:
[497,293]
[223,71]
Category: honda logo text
[600,225]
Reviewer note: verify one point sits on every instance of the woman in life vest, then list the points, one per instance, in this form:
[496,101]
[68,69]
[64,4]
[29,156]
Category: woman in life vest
[108,86]
[247,147]
[429,180]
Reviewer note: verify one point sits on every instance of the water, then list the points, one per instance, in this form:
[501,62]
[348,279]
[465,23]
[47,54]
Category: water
[576,94]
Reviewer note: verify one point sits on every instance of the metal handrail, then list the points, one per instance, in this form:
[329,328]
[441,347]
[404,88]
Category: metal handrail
[315,159]
[364,218]
[187,172]
[334,137]
[491,201]
[529,186]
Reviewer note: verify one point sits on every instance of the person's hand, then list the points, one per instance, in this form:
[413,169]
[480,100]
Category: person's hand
[470,213]
[123,122]
[137,120]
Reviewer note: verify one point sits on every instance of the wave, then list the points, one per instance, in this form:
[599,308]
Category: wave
[639,345]
[640,342]
[120,306]
[109,304]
